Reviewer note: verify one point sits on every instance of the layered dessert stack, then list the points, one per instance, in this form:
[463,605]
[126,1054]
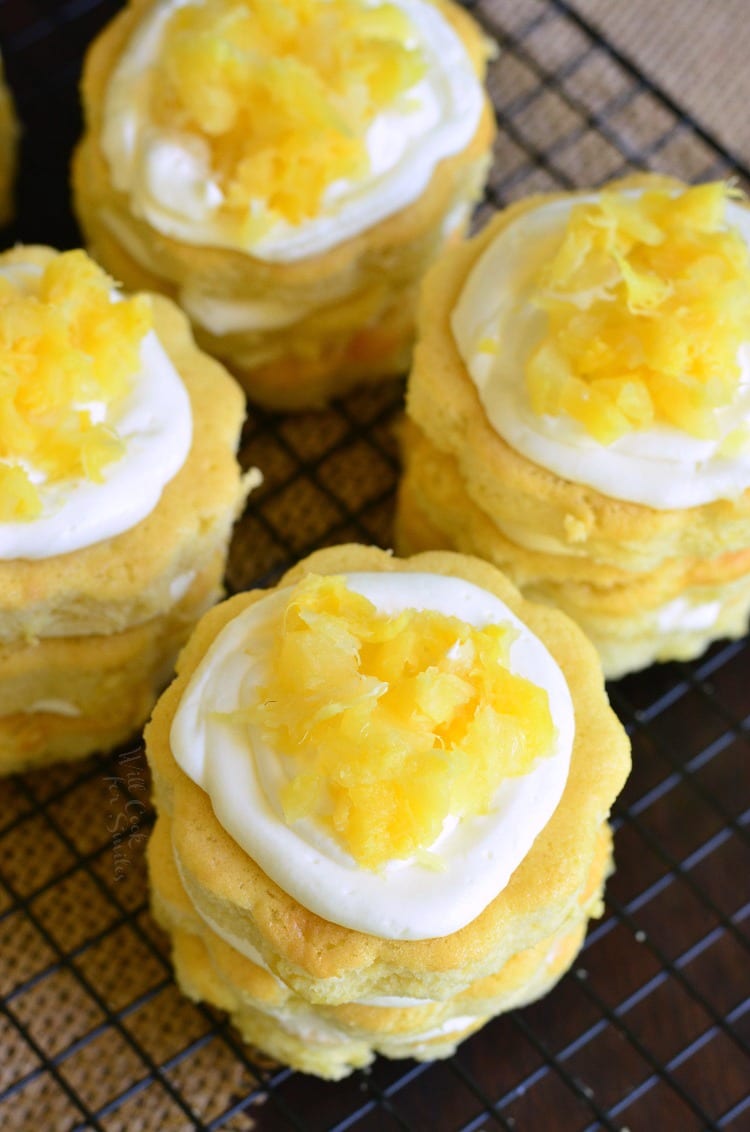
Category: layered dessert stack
[383,791]
[579,412]
[115,513]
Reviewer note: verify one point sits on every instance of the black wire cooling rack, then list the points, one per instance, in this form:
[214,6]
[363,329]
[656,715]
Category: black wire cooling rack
[652,1028]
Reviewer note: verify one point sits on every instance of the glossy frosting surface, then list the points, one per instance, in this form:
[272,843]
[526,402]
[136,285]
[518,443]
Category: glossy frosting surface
[168,179]
[406,899]
[662,467]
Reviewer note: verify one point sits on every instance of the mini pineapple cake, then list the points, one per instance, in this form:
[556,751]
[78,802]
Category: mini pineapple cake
[115,513]
[8,149]
[383,790]
[286,172]
[579,412]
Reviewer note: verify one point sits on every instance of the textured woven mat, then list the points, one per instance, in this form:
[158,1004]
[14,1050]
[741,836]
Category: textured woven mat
[651,1030]
[697,51]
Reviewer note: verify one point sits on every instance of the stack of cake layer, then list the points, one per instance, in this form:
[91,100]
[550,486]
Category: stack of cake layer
[646,580]
[89,633]
[325,997]
[311,299]
[313,1027]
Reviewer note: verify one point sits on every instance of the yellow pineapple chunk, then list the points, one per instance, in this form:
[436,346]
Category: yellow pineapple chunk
[391,724]
[18,497]
[282,96]
[647,302]
[64,345]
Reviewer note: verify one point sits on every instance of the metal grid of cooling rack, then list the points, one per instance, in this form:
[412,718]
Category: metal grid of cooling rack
[652,1028]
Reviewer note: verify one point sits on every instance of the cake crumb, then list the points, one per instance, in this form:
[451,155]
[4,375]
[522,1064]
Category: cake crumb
[576,530]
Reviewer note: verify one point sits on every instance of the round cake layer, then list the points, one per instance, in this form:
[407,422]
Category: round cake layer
[130,578]
[334,119]
[63,698]
[88,637]
[295,333]
[607,337]
[330,1041]
[326,963]
[538,509]
[644,582]
[391,892]
[670,612]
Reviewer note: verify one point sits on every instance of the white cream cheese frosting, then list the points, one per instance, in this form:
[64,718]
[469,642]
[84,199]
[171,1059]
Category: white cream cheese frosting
[217,314]
[154,422]
[53,707]
[167,178]
[661,467]
[683,615]
[407,899]
[309,1025]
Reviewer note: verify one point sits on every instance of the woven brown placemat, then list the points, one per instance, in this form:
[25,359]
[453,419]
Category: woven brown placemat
[696,50]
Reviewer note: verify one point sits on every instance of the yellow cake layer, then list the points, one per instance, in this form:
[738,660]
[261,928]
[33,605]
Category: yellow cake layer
[328,964]
[330,1041]
[351,308]
[133,577]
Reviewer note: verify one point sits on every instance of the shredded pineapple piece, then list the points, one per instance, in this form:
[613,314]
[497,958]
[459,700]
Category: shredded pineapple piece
[391,724]
[648,302]
[64,344]
[280,96]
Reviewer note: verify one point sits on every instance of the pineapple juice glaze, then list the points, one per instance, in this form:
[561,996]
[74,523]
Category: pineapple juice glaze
[96,420]
[347,852]
[283,130]
[608,338]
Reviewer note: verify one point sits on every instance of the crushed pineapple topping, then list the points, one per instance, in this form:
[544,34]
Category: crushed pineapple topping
[281,95]
[393,724]
[647,302]
[64,344]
